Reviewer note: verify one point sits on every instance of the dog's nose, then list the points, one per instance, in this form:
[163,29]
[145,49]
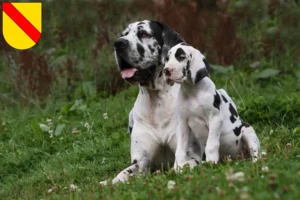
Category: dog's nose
[121,43]
[168,71]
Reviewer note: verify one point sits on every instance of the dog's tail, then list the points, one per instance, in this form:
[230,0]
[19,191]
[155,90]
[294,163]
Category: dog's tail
[251,140]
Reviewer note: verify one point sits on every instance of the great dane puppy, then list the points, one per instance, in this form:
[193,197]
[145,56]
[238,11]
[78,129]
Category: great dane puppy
[139,53]
[207,117]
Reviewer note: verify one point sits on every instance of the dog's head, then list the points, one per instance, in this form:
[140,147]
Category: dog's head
[185,63]
[140,49]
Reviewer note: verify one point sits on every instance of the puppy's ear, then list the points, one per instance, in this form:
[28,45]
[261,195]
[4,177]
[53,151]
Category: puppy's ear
[197,66]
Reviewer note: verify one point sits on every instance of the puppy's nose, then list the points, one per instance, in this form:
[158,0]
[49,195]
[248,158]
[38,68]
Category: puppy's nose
[168,71]
[121,43]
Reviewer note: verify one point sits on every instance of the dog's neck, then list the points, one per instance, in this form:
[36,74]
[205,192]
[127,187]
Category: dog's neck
[157,88]
[190,88]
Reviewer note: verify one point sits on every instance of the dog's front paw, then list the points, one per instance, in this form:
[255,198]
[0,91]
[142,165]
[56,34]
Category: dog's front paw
[187,164]
[212,157]
[177,167]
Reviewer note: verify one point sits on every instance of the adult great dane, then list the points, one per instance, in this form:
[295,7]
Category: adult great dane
[139,53]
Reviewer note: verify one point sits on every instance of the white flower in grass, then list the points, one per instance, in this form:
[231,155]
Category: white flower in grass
[74,130]
[265,169]
[73,187]
[49,122]
[171,185]
[50,133]
[50,190]
[238,176]
[288,144]
[105,116]
[87,126]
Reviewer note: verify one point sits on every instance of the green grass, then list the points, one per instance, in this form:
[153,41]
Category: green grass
[32,162]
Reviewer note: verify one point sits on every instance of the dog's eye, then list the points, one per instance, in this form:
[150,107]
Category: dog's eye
[144,35]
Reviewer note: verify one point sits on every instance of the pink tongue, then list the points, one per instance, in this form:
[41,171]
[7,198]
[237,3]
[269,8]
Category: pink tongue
[128,73]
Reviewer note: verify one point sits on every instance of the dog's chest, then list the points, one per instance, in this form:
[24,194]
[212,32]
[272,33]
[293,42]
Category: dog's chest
[194,106]
[194,109]
[156,114]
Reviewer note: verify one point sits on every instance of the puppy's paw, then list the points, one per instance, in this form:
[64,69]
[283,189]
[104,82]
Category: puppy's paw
[213,158]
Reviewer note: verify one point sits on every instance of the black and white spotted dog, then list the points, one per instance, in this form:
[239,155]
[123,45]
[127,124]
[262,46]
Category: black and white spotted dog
[208,118]
[139,54]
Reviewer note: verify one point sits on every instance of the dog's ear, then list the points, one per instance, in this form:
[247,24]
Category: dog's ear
[197,66]
[166,36]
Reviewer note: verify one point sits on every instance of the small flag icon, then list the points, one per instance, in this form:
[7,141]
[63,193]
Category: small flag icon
[21,24]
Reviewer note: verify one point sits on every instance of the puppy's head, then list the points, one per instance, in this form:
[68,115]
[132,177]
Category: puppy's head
[185,63]
[139,50]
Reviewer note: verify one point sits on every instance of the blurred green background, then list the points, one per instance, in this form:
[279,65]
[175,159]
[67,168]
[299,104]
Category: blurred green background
[74,57]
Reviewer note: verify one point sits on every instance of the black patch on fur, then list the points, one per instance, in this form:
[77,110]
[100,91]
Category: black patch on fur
[204,156]
[144,76]
[167,57]
[141,23]
[141,50]
[207,65]
[196,161]
[184,72]
[224,99]
[237,130]
[151,49]
[130,130]
[134,162]
[140,28]
[217,101]
[188,64]
[180,55]
[129,171]
[246,124]
[237,142]
[233,113]
[160,74]
[202,73]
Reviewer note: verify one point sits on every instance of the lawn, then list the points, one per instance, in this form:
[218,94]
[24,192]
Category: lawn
[64,108]
[81,145]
